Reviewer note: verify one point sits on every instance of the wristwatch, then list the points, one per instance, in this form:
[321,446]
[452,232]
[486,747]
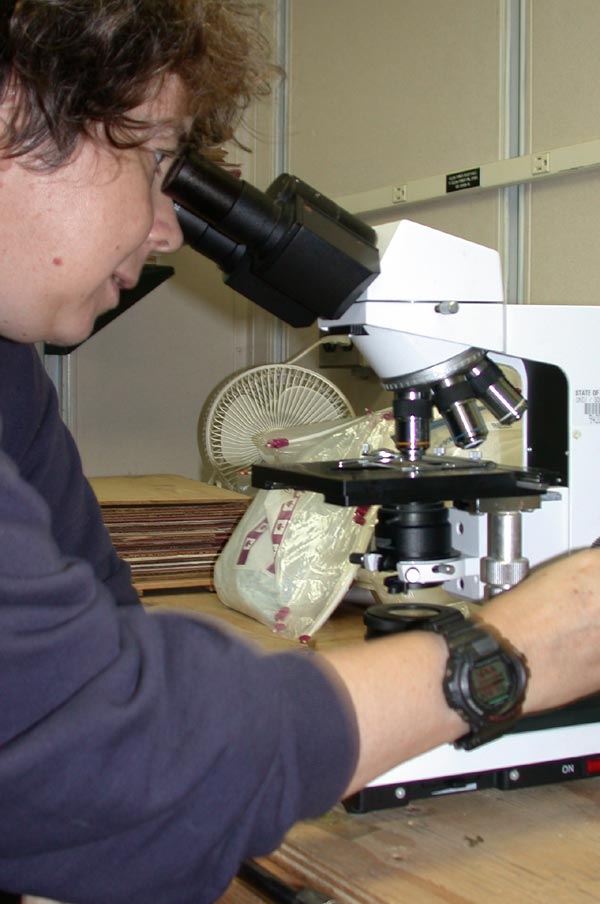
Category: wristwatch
[485,678]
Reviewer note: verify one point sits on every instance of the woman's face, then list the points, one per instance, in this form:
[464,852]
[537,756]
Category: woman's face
[70,240]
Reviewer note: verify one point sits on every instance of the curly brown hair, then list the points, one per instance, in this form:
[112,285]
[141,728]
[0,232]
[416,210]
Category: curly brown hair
[75,65]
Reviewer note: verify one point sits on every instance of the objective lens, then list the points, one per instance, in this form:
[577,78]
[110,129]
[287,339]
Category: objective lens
[496,392]
[454,399]
[412,410]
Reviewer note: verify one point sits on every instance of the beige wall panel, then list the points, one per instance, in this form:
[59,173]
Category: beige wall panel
[473,217]
[389,89]
[564,64]
[564,240]
[564,224]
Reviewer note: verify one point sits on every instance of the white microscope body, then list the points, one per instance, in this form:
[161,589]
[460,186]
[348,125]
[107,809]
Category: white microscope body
[438,301]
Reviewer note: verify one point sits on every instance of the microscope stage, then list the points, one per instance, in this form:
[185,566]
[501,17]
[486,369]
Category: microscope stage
[371,481]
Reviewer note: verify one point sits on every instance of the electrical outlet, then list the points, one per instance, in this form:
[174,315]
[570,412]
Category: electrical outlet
[540,163]
[399,194]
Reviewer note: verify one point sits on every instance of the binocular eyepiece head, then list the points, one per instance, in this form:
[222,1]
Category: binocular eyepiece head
[290,249]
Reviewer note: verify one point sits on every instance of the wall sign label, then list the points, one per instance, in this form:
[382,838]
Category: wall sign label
[470,178]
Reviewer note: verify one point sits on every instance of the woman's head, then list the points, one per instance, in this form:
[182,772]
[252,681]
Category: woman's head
[75,68]
[93,93]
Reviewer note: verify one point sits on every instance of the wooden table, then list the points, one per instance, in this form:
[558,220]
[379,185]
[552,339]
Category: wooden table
[537,845]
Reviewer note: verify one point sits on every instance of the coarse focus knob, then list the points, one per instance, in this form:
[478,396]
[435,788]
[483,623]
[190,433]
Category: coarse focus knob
[502,575]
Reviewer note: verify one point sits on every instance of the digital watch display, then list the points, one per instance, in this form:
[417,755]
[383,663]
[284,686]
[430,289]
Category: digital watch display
[491,685]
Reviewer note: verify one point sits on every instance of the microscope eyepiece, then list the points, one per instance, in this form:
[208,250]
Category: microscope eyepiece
[234,207]
[290,249]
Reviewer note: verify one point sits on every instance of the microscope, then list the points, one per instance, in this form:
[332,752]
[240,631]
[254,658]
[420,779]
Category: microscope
[426,311]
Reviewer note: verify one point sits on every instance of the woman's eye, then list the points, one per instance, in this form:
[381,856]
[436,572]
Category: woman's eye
[159,156]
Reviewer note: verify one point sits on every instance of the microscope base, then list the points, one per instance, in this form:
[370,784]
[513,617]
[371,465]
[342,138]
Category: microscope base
[535,753]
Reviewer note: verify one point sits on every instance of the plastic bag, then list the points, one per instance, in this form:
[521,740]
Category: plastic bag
[287,562]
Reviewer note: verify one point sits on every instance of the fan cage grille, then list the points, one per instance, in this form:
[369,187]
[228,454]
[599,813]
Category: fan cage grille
[264,398]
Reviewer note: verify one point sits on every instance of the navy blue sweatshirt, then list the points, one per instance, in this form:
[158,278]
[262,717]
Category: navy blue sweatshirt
[142,756]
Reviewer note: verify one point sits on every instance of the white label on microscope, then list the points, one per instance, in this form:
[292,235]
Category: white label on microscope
[587,407]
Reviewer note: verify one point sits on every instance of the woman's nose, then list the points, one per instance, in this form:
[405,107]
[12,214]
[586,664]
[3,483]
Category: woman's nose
[165,235]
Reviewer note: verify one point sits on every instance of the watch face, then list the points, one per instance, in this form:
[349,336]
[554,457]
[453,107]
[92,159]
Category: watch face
[492,684]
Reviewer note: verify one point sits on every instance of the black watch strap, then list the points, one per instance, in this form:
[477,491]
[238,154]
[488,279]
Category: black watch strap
[478,656]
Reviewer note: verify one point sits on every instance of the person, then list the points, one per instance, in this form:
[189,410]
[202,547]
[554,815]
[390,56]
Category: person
[144,755]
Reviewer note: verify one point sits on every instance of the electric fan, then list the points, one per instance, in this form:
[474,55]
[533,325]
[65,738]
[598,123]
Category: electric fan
[257,400]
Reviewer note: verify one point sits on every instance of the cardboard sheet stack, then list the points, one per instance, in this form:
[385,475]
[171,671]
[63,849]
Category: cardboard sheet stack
[169,529]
